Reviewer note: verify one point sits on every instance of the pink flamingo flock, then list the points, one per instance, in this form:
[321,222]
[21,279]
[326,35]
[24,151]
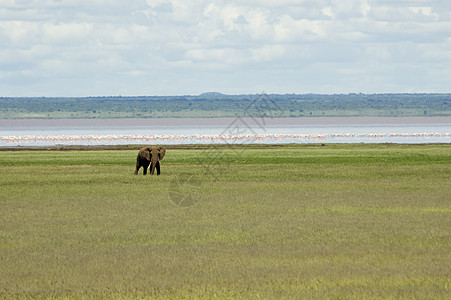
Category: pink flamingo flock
[202,139]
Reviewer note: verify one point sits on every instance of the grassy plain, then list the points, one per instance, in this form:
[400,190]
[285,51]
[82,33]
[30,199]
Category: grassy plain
[306,221]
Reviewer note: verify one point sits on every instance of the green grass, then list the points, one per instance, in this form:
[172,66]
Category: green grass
[339,221]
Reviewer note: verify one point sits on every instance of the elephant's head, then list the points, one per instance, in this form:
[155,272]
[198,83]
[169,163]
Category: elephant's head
[156,153]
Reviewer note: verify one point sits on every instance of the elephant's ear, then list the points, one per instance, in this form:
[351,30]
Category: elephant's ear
[162,152]
[145,153]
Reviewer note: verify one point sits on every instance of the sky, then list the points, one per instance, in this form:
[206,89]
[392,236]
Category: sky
[182,47]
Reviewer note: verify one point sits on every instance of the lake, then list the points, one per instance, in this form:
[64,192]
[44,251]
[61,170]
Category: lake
[48,132]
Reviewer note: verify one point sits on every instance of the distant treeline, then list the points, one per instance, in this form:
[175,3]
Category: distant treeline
[219,105]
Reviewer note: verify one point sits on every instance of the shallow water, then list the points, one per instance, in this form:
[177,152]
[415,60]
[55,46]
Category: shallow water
[45,132]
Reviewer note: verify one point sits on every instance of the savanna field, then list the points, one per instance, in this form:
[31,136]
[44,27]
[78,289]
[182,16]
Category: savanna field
[297,221]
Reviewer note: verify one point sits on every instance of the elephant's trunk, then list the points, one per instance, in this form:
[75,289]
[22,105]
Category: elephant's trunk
[153,164]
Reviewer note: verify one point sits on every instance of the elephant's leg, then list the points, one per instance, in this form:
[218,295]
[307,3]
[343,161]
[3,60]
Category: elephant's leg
[145,166]
[158,167]
[138,165]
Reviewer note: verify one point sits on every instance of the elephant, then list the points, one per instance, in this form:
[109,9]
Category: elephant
[150,155]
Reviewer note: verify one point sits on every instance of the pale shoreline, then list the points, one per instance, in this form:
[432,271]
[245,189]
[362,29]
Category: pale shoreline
[301,121]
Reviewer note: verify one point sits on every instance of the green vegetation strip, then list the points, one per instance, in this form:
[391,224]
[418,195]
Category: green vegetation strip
[213,105]
[334,221]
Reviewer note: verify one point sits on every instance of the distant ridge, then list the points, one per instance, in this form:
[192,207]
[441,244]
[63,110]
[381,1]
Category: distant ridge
[218,105]
[212,94]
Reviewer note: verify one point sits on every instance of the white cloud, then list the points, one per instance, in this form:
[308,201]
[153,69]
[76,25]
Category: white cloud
[65,32]
[217,58]
[292,30]
[85,47]
[348,8]
[424,10]
[268,53]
